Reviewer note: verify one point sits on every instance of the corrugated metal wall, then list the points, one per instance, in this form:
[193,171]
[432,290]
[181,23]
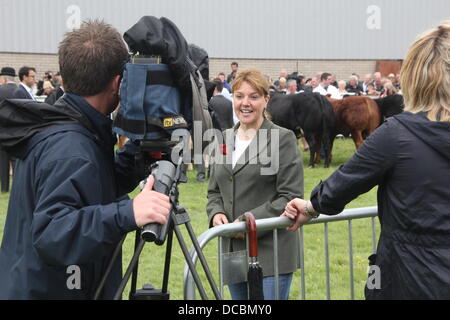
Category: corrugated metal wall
[255,29]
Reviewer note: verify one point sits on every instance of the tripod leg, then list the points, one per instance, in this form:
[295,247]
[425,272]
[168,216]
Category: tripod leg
[130,269]
[165,283]
[203,261]
[135,269]
[190,262]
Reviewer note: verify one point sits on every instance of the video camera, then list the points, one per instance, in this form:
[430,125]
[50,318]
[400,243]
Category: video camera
[162,94]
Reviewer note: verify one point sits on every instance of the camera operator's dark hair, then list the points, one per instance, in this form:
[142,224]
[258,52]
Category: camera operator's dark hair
[90,57]
[24,72]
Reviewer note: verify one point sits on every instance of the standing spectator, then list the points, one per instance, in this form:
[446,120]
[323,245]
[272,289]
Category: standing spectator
[341,89]
[58,92]
[226,85]
[371,90]
[7,88]
[221,108]
[353,86]
[389,89]
[378,82]
[234,70]
[27,77]
[282,85]
[301,84]
[325,88]
[408,157]
[314,83]
[283,74]
[365,83]
[7,83]
[226,92]
[238,185]
[291,87]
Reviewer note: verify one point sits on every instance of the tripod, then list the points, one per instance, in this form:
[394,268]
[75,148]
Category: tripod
[178,216]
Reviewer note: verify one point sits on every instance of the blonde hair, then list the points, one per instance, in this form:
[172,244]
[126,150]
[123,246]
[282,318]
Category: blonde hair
[425,74]
[390,88]
[253,77]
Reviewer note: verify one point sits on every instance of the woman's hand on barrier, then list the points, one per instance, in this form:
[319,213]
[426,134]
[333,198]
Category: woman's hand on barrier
[219,219]
[239,235]
[295,210]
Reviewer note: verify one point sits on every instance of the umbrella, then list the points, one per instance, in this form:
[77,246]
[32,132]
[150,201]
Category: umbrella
[255,274]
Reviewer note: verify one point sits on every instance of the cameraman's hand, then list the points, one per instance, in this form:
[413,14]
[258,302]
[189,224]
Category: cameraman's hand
[150,206]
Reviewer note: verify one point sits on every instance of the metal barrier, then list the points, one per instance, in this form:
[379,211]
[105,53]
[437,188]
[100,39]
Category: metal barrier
[283,222]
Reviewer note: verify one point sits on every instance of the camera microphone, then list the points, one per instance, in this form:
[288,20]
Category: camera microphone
[164,173]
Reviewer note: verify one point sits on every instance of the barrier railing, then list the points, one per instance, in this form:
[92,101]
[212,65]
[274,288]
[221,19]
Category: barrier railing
[283,222]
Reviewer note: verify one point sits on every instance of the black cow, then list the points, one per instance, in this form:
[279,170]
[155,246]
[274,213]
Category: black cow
[391,105]
[311,113]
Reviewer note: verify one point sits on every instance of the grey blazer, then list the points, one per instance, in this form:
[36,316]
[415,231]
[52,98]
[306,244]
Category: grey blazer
[267,176]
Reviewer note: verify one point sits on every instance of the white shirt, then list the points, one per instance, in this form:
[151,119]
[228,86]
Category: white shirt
[332,90]
[226,94]
[239,149]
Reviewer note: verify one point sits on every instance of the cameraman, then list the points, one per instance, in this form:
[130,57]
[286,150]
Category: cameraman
[68,208]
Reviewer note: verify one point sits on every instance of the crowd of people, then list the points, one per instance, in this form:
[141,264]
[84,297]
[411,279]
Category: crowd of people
[374,85]
[48,88]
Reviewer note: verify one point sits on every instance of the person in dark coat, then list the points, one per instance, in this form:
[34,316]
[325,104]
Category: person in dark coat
[408,157]
[7,87]
[353,86]
[220,108]
[68,207]
[55,95]
[27,77]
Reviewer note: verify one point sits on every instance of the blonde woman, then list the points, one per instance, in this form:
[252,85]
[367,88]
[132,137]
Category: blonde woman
[408,157]
[261,172]
[389,89]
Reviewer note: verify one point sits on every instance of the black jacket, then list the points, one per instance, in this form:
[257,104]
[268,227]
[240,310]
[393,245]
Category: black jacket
[55,95]
[67,206]
[354,89]
[21,93]
[408,157]
[221,110]
[7,91]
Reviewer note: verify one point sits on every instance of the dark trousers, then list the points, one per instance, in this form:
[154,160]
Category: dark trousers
[4,171]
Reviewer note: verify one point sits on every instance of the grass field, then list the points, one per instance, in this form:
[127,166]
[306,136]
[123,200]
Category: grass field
[193,198]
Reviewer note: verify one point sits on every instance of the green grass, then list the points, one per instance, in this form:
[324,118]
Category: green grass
[193,198]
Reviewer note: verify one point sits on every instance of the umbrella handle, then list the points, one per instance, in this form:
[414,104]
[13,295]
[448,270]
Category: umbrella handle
[252,236]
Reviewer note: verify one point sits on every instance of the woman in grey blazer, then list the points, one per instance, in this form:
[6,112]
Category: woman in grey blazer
[259,169]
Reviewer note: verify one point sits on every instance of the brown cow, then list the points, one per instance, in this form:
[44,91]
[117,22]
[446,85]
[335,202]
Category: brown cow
[358,116]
